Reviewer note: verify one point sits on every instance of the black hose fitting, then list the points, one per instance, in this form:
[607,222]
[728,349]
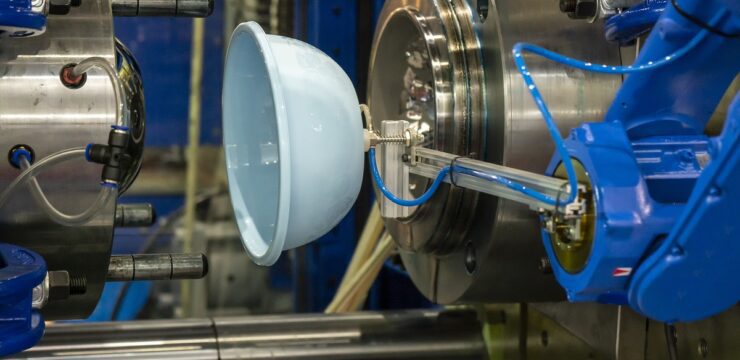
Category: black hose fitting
[113,156]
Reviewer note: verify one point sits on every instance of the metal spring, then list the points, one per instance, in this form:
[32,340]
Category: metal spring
[396,139]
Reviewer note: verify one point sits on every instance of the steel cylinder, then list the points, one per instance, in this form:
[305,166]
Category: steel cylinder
[448,335]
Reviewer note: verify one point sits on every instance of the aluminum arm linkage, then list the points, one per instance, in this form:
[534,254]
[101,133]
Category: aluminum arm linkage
[429,162]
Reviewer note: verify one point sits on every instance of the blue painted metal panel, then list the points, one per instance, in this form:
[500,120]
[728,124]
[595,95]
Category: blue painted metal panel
[331,25]
[692,275]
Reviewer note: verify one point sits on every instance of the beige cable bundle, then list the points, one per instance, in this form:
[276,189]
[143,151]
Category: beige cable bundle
[366,263]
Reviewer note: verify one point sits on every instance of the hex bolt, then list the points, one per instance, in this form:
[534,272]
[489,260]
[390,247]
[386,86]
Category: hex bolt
[59,285]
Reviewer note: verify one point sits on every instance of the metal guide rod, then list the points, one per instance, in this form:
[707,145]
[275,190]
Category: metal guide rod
[430,162]
[179,8]
[406,335]
[157,267]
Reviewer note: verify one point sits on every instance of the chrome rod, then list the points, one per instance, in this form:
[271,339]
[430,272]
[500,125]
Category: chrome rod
[430,162]
[157,267]
[393,335]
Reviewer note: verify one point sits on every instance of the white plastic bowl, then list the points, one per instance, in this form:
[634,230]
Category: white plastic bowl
[293,141]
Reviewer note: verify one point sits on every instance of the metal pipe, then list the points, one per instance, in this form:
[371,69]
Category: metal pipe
[401,335]
[180,8]
[157,267]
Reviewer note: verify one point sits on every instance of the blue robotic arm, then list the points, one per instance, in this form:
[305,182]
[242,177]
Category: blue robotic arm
[664,236]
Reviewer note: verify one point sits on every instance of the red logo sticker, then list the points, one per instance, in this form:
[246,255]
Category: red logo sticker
[622,271]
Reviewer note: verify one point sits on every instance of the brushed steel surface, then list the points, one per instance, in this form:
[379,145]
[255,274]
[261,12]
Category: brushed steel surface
[397,335]
[502,238]
[38,110]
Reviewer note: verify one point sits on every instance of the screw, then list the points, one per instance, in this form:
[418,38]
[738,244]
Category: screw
[78,285]
[703,348]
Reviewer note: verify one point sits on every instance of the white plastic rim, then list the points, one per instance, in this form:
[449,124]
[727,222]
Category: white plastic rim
[252,82]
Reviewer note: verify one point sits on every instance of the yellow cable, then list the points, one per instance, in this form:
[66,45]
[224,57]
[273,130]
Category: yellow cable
[365,246]
[191,179]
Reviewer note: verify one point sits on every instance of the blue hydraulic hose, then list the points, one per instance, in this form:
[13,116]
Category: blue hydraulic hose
[513,185]
[387,193]
[547,117]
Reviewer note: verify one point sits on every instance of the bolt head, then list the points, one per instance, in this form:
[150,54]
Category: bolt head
[59,285]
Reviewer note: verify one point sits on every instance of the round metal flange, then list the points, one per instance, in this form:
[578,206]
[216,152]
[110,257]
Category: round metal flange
[422,71]
[463,247]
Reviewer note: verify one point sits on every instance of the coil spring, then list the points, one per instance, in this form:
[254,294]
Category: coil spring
[395,139]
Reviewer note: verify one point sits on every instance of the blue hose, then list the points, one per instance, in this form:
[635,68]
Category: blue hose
[387,193]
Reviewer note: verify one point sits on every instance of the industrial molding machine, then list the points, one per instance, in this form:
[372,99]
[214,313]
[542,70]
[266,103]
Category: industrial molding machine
[560,178]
